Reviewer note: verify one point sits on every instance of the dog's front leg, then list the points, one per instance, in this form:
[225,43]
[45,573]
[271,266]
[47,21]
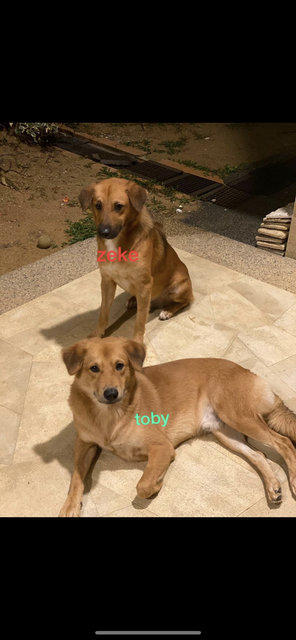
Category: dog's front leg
[108,288]
[84,455]
[160,457]
[143,306]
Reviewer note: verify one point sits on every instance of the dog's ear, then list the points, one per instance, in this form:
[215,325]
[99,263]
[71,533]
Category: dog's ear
[136,353]
[73,357]
[85,196]
[137,195]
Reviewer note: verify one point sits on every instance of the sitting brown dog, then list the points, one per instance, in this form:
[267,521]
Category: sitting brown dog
[112,390]
[157,278]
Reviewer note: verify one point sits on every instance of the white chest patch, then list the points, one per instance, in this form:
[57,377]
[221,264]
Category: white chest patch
[110,245]
[210,420]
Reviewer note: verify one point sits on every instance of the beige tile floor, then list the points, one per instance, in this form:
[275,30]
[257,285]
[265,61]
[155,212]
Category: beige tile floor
[234,316]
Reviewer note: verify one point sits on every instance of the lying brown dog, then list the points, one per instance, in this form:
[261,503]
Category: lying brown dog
[112,390]
[157,278]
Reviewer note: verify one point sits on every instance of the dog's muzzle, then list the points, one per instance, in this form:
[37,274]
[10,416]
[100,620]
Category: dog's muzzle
[110,396]
[107,232]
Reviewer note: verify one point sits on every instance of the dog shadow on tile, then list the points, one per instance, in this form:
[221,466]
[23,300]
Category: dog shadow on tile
[80,326]
[61,447]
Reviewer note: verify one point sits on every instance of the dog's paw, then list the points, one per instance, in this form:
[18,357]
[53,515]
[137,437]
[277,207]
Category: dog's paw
[147,491]
[274,492]
[71,509]
[165,315]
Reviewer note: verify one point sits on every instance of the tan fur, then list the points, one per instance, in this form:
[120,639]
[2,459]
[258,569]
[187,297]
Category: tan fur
[282,419]
[199,394]
[158,277]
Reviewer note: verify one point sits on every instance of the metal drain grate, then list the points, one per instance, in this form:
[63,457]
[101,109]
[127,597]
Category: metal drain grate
[225,196]
[153,170]
[190,184]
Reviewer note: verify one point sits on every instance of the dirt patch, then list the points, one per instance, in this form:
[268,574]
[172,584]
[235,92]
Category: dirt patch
[35,181]
[220,147]
[32,204]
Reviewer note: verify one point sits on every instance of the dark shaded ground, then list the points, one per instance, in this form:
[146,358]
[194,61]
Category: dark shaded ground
[240,223]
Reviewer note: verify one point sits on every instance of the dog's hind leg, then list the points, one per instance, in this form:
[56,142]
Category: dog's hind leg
[176,298]
[236,442]
[254,426]
[282,419]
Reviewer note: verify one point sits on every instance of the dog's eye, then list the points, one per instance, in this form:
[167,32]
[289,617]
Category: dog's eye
[95,368]
[119,366]
[118,206]
[99,205]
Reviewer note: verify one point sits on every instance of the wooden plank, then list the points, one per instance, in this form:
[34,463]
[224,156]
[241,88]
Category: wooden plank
[195,172]
[291,244]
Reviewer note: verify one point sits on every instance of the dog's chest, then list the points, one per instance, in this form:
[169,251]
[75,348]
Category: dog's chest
[96,437]
[121,272]
[127,451]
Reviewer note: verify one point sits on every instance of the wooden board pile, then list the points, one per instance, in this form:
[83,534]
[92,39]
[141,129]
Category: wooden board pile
[274,230]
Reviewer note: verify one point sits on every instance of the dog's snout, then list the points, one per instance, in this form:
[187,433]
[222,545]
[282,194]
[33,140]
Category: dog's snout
[107,231]
[110,394]
[104,230]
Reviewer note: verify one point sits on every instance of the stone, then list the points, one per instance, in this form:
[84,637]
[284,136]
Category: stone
[44,241]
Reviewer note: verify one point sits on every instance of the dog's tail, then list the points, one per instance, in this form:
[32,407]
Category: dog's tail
[282,419]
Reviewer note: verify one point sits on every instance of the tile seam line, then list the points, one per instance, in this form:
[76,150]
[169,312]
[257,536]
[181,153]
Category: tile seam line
[10,344]
[12,410]
[156,514]
[258,357]
[284,482]
[23,407]
[233,282]
[99,484]
[283,360]
[226,265]
[25,304]
[130,505]
[282,314]
[242,274]
[37,327]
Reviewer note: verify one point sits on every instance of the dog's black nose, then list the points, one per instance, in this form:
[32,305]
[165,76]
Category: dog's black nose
[104,230]
[110,394]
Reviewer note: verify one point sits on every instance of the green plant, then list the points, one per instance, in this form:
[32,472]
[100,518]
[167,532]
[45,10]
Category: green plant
[225,171]
[80,230]
[37,132]
[195,165]
[172,146]
[145,144]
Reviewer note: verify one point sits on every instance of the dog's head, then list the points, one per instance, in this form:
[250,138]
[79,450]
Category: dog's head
[104,367]
[115,202]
